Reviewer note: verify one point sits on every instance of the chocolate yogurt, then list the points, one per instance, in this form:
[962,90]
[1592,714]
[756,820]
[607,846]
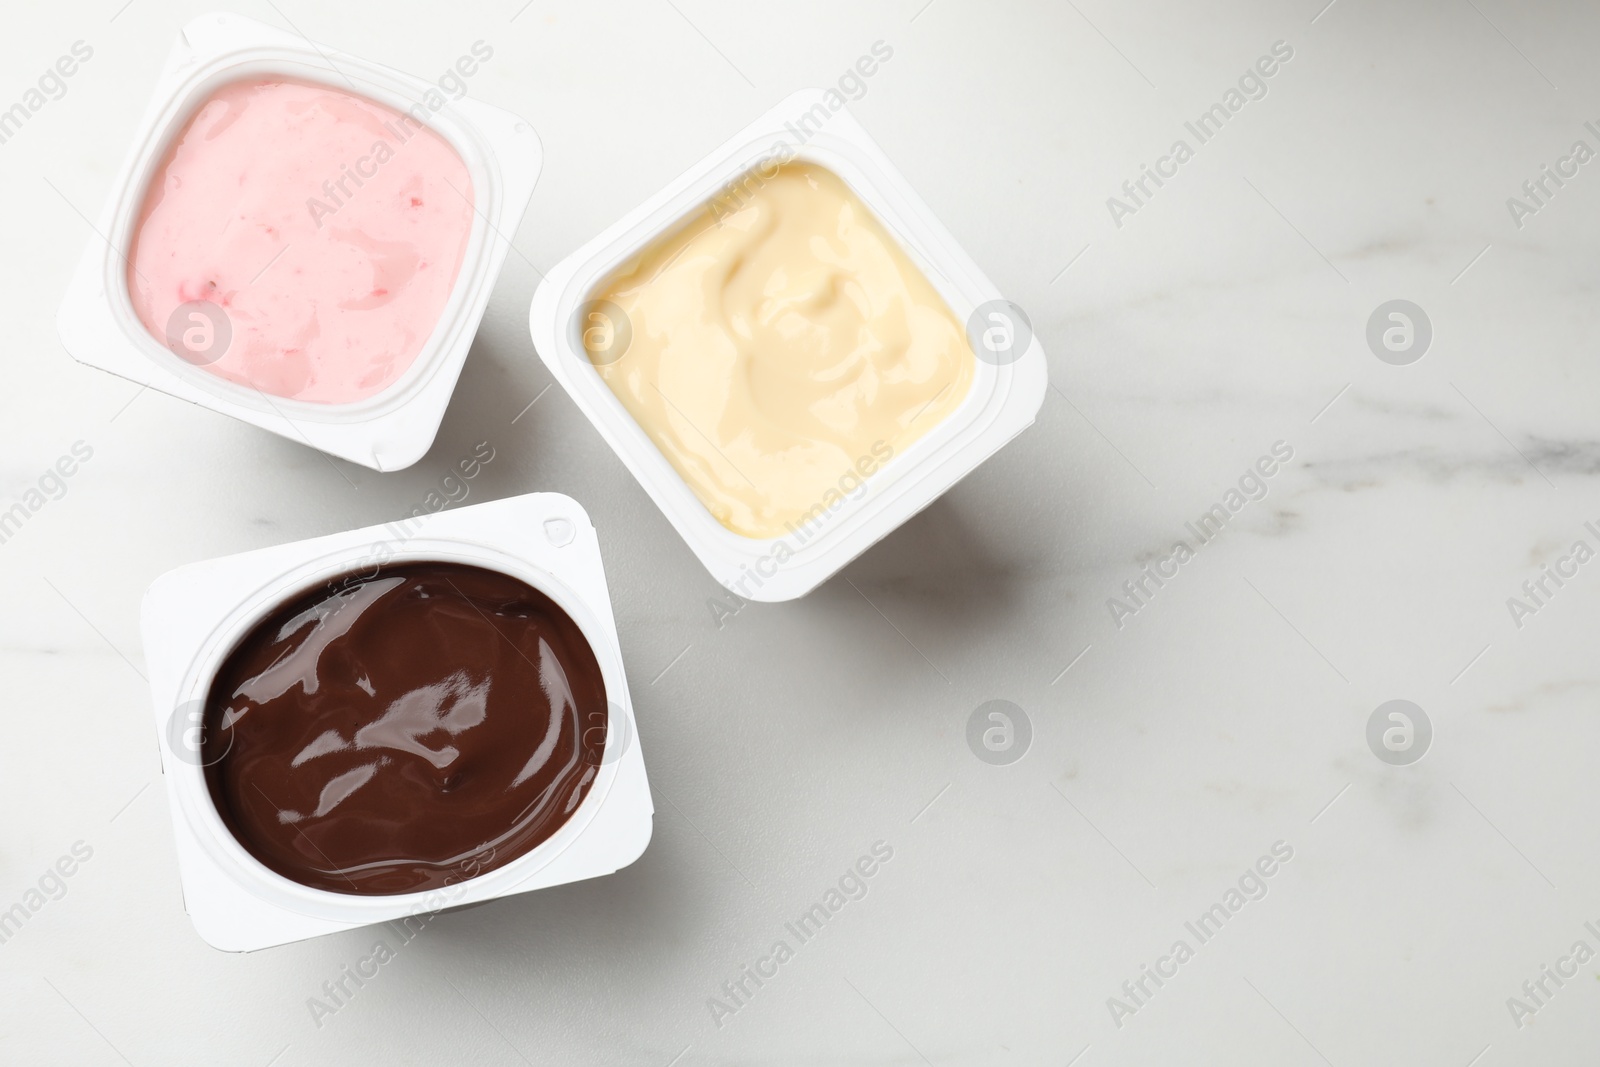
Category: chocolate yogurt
[403,728]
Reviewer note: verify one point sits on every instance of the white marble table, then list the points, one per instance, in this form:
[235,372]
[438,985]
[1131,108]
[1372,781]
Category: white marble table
[1229,714]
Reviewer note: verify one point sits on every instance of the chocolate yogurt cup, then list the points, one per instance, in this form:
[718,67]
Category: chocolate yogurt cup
[392,721]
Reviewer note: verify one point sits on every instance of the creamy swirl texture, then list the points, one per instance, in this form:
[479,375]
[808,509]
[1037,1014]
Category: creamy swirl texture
[778,348]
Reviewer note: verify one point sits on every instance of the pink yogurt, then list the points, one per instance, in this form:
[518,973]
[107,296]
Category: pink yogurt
[328,228]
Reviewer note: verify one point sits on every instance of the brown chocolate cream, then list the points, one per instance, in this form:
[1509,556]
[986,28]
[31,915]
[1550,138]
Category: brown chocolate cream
[404,728]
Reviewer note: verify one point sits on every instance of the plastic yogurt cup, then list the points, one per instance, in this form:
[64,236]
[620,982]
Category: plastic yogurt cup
[248,882]
[325,287]
[786,369]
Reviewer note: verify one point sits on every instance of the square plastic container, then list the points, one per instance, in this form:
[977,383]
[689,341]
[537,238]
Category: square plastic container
[393,428]
[194,616]
[1007,389]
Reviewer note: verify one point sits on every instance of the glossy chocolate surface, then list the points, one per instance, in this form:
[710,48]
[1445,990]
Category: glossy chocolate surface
[404,728]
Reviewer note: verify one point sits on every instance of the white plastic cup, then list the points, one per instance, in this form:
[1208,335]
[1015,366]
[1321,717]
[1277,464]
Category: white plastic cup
[387,431]
[194,617]
[1006,393]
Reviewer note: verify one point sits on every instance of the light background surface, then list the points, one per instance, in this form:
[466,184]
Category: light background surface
[1230,713]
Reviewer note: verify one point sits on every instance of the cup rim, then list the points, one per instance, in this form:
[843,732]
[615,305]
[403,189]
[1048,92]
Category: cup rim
[355,76]
[855,172]
[197,806]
